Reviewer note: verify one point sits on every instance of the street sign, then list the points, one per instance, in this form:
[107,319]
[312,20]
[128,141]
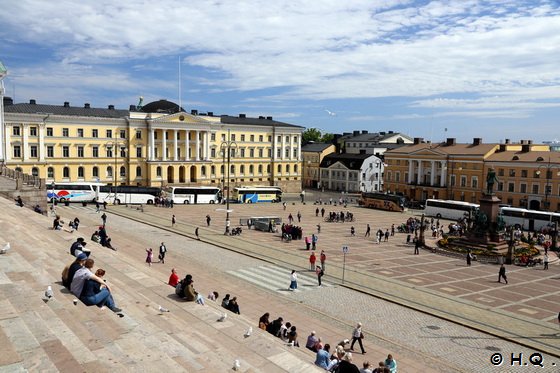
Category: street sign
[345,249]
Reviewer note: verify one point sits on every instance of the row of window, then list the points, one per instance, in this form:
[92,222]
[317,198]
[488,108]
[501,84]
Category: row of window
[340,175]
[525,173]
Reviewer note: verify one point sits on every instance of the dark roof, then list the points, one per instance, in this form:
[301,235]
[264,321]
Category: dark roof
[352,161]
[30,108]
[260,121]
[161,106]
[315,147]
[375,137]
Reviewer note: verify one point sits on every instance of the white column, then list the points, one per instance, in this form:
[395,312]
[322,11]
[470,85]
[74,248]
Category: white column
[151,144]
[42,149]
[410,171]
[187,150]
[443,176]
[420,172]
[197,145]
[7,142]
[433,173]
[175,147]
[298,148]
[206,144]
[163,145]
[25,141]
[273,145]
[283,153]
[291,148]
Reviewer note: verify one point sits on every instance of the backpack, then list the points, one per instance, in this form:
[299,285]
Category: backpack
[179,289]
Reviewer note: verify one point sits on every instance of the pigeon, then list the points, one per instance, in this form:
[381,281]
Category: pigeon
[5,248]
[162,310]
[248,332]
[49,293]
[223,317]
[236,364]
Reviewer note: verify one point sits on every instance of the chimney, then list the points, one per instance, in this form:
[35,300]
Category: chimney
[418,140]
[269,118]
[529,142]
[382,133]
[86,106]
[242,116]
[132,108]
[522,142]
[356,133]
[261,117]
[111,107]
[210,114]
[66,104]
[194,112]
[450,141]
[508,141]
[390,132]
[8,101]
[364,132]
[525,148]
[477,141]
[32,102]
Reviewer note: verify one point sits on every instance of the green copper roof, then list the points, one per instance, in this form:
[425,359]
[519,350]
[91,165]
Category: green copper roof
[3,70]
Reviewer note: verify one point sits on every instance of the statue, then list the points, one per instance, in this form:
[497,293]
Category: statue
[490,180]
[140,103]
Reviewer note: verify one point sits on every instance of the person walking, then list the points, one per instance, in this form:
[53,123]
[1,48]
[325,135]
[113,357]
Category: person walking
[97,206]
[312,260]
[469,258]
[208,220]
[173,221]
[319,272]
[322,212]
[417,247]
[502,274]
[149,256]
[293,281]
[162,251]
[317,212]
[368,231]
[545,261]
[104,219]
[357,335]
[298,217]
[196,233]
[323,259]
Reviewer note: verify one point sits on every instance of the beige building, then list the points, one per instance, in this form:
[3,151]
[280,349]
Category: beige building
[313,154]
[528,174]
[158,144]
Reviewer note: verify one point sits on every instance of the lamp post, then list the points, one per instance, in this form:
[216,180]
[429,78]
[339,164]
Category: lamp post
[227,146]
[116,145]
[3,74]
[547,189]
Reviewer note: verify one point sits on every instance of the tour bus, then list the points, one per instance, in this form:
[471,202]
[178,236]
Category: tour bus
[448,209]
[382,201]
[529,219]
[257,194]
[193,194]
[73,192]
[128,194]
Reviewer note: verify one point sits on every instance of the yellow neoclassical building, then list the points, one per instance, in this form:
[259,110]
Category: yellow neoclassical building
[157,144]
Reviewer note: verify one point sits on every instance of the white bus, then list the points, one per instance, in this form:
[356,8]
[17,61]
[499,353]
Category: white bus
[529,219]
[73,192]
[128,194]
[448,209]
[257,194]
[194,194]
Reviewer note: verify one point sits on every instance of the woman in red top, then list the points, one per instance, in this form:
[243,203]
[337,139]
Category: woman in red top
[173,279]
[312,260]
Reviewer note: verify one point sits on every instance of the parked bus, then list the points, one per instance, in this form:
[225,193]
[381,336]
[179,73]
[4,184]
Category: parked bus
[73,192]
[128,194]
[194,194]
[257,194]
[449,209]
[529,219]
[382,201]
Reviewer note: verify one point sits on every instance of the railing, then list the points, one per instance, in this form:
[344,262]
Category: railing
[21,178]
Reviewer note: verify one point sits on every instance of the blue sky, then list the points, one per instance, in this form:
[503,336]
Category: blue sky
[432,69]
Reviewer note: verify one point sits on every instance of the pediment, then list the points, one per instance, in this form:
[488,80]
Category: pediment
[429,153]
[180,117]
[338,166]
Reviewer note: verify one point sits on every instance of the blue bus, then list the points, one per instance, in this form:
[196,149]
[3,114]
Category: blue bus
[257,194]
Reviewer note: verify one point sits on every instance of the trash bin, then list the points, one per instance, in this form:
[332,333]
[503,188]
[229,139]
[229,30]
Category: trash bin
[84,204]
[66,203]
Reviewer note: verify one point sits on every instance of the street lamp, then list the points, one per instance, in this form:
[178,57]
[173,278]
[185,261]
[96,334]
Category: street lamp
[227,146]
[116,145]
[547,190]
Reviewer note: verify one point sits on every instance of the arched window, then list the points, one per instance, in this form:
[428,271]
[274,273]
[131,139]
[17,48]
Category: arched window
[242,170]
[50,173]
[251,169]
[158,171]
[279,168]
[95,171]
[203,170]
[35,171]
[260,169]
[109,171]
[295,168]
[122,171]
[222,169]
[212,170]
[268,169]
[287,168]
[81,172]
[232,170]
[18,169]
[66,172]
[138,171]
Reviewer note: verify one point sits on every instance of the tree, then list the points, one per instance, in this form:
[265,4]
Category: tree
[311,134]
[327,138]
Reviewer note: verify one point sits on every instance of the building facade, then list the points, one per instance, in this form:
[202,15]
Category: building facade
[155,145]
[352,173]
[374,143]
[528,174]
[313,154]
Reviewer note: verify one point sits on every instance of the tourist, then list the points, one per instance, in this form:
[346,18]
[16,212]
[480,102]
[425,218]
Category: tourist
[264,321]
[381,368]
[323,259]
[312,260]
[149,256]
[346,365]
[57,223]
[367,367]
[357,335]
[213,296]
[322,358]
[173,221]
[233,306]
[293,281]
[469,258]
[225,301]
[90,294]
[502,274]
[208,220]
[311,341]
[196,233]
[391,364]
[292,336]
[545,261]
[319,272]
[173,278]
[368,231]
[162,251]
[70,270]
[104,219]
[19,201]
[274,327]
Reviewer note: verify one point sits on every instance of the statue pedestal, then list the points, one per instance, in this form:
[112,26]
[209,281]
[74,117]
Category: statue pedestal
[490,206]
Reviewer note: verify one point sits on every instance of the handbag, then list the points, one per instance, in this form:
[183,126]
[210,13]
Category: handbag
[361,335]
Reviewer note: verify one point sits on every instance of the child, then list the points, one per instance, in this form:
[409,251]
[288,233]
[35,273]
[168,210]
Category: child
[150,256]
[213,295]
